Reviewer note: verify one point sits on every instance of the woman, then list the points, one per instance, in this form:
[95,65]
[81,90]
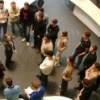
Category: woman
[62,45]
[67,75]
[82,48]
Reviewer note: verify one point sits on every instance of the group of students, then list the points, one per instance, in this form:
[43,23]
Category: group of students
[44,41]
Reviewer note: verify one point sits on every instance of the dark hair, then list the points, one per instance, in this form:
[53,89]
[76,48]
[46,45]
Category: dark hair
[47,35]
[87,33]
[26,4]
[97,65]
[65,33]
[86,83]
[55,21]
[1,1]
[41,9]
[94,47]
[71,59]
[49,53]
[9,81]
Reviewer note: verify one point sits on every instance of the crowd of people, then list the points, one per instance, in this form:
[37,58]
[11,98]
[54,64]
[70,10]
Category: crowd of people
[45,36]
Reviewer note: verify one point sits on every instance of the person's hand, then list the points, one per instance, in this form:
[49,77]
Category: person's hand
[38,36]
[32,31]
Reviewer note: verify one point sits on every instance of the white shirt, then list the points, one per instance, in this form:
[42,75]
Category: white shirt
[47,65]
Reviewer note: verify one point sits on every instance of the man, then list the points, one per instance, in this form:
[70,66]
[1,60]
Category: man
[45,16]
[89,60]
[14,13]
[37,94]
[3,19]
[12,91]
[82,48]
[46,68]
[53,30]
[91,74]
[39,29]
[26,19]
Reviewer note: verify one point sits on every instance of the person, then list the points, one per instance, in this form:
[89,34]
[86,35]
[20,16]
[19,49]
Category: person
[39,29]
[46,45]
[26,19]
[82,47]
[67,75]
[88,61]
[53,30]
[46,68]
[2,69]
[14,13]
[12,91]
[86,91]
[9,48]
[45,16]
[3,19]
[91,74]
[37,94]
[61,47]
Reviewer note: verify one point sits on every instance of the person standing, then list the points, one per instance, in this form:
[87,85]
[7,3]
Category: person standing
[9,48]
[82,47]
[46,68]
[91,74]
[88,61]
[67,75]
[53,30]
[39,29]
[3,19]
[46,45]
[14,13]
[26,19]
[61,47]
[12,91]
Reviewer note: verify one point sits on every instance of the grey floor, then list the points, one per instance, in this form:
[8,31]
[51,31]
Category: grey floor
[25,67]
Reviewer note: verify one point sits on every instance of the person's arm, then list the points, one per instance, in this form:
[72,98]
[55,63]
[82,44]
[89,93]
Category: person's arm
[5,15]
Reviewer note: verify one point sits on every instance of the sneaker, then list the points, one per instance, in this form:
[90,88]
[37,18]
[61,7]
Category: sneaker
[27,43]
[23,39]
[13,36]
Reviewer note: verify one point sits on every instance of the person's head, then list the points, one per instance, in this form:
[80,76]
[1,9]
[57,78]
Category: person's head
[9,81]
[93,49]
[1,3]
[47,38]
[54,22]
[35,85]
[96,66]
[41,10]
[70,59]
[26,6]
[64,34]
[86,35]
[8,38]
[49,54]
[40,17]
[13,4]
[86,83]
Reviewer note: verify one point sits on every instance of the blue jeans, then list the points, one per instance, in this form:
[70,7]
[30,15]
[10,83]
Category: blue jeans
[4,26]
[13,27]
[26,31]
